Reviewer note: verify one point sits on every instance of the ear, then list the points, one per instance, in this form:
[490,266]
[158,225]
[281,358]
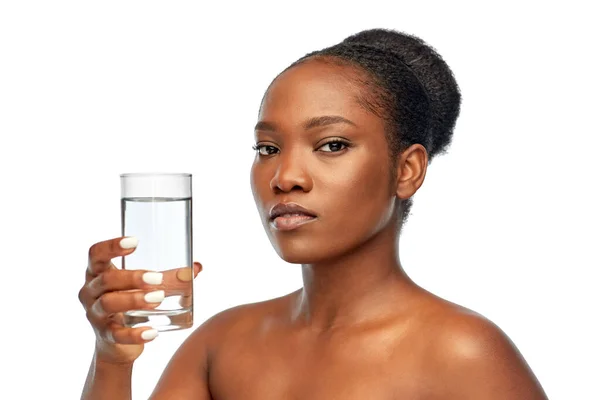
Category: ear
[410,170]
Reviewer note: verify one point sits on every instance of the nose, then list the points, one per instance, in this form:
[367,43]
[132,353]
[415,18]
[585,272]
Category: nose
[291,174]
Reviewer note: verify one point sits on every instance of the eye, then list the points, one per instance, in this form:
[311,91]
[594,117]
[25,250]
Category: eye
[264,150]
[334,146]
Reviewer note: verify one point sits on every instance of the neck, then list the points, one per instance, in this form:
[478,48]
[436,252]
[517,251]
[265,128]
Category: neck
[366,284]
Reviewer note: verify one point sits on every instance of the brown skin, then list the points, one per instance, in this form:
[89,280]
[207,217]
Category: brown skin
[359,328]
[105,295]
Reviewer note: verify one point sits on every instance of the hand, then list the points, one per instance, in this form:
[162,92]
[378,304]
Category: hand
[108,292]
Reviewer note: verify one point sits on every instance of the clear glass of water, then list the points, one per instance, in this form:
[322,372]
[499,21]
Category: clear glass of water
[156,208]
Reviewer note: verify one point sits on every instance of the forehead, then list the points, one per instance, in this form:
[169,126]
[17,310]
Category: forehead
[315,88]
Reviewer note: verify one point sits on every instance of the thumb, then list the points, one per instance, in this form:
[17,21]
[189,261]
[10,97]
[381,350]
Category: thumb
[185,274]
[178,281]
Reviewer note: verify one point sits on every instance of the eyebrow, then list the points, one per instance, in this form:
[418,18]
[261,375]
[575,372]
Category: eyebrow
[310,123]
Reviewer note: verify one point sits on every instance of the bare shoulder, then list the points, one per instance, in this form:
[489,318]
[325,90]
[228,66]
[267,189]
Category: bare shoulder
[473,358]
[241,319]
[186,375]
[233,323]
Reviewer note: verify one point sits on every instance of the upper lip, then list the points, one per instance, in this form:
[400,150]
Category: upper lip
[289,208]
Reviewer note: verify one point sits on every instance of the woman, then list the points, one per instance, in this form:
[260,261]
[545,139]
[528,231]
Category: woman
[343,141]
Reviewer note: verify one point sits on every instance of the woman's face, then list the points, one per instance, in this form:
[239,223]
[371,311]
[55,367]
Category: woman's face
[346,184]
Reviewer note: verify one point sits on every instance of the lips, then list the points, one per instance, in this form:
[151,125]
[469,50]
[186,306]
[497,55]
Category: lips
[289,210]
[289,216]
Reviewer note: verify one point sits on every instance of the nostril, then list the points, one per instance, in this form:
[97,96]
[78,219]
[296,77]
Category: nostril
[286,180]
[279,188]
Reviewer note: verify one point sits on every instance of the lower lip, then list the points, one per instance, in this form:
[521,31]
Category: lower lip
[289,223]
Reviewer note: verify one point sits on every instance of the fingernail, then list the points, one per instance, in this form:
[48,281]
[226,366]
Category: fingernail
[153,278]
[128,242]
[149,334]
[197,267]
[185,274]
[155,297]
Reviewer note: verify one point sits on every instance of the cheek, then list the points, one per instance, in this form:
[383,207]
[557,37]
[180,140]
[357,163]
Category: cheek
[359,194]
[255,183]
[352,195]
[253,180]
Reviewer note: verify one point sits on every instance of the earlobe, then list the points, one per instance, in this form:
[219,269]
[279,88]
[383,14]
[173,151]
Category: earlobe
[410,170]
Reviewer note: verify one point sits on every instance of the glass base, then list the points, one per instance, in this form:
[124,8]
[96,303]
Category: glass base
[161,320]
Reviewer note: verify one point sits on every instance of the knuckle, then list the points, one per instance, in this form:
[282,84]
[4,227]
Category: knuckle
[95,312]
[102,281]
[92,251]
[115,302]
[95,320]
[81,295]
[105,279]
[105,302]
[91,317]
[108,280]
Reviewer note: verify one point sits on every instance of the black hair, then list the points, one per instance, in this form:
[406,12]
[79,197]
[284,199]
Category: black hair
[408,84]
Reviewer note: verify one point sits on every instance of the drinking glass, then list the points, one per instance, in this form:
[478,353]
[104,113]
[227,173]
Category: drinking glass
[156,208]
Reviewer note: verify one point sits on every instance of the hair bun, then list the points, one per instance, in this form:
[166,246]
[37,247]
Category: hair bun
[432,72]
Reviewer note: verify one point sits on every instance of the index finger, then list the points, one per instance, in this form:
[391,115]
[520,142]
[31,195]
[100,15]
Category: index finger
[101,253]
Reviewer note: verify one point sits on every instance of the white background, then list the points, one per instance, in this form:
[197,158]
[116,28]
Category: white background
[505,224]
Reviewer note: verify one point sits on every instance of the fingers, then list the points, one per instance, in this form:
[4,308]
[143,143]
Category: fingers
[115,279]
[112,292]
[173,282]
[116,302]
[101,253]
[116,333]
[109,292]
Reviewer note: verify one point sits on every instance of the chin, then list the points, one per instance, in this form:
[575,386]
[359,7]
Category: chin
[296,253]
[314,245]
[299,258]
[302,251]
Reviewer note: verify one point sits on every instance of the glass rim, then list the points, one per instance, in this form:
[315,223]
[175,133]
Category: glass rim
[148,174]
